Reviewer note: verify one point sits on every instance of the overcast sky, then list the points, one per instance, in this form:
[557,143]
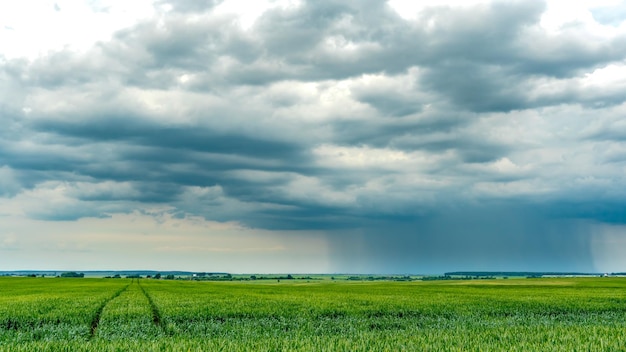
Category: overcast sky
[320,136]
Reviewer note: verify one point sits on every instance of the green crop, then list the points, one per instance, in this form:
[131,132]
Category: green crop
[568,314]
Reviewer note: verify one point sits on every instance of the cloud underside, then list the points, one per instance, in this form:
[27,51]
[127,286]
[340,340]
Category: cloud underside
[326,115]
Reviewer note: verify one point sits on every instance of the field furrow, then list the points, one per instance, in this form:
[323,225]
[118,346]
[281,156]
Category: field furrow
[96,319]
[128,316]
[156,314]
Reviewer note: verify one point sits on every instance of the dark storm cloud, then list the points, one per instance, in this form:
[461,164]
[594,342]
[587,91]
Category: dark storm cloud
[476,88]
[481,238]
[119,128]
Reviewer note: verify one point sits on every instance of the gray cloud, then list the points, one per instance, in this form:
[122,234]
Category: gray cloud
[190,6]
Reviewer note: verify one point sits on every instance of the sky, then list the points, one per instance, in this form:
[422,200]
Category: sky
[313,136]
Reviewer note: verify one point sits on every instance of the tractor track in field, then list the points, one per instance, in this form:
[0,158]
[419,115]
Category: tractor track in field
[156,314]
[96,319]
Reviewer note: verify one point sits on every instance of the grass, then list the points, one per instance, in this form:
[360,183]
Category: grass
[488,315]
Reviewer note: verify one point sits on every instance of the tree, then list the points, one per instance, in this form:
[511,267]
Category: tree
[72,274]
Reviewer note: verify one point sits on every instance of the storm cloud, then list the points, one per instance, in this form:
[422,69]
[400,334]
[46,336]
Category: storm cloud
[390,138]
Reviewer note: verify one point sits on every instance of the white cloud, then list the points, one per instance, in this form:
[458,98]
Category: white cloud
[410,9]
[563,16]
[246,12]
[34,28]
[69,200]
[523,189]
[363,157]
[612,75]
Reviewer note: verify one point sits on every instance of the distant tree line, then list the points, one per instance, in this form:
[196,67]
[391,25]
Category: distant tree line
[516,273]
[380,278]
[466,277]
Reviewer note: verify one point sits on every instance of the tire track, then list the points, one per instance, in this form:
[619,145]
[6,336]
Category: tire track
[96,319]
[156,314]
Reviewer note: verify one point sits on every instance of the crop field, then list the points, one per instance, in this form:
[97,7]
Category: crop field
[564,314]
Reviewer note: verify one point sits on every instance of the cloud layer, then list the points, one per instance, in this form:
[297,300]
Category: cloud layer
[485,136]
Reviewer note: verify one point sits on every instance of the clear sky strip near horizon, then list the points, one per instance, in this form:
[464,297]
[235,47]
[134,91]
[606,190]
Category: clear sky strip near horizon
[313,136]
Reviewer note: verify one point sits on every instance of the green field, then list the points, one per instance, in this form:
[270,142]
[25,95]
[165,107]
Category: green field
[565,314]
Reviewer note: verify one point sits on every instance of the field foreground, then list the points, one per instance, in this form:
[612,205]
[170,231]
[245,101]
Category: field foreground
[565,314]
